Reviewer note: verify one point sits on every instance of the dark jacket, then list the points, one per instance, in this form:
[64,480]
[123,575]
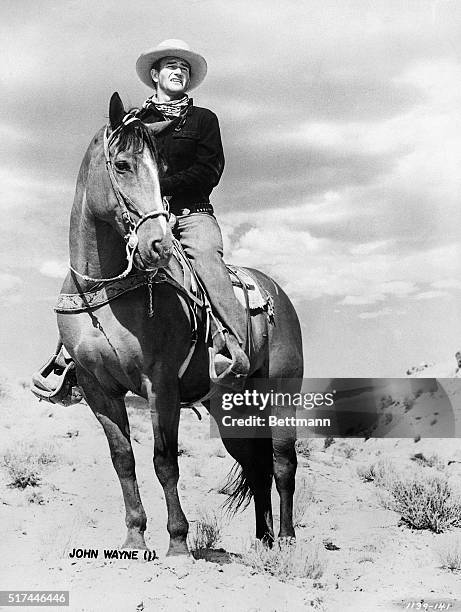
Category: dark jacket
[192,149]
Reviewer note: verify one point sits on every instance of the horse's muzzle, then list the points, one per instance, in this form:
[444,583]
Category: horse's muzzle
[156,257]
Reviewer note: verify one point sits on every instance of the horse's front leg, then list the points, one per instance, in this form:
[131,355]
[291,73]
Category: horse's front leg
[111,413]
[165,410]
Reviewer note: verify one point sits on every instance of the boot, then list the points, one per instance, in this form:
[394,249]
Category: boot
[229,364]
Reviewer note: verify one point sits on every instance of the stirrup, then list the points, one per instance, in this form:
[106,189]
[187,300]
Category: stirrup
[66,390]
[231,372]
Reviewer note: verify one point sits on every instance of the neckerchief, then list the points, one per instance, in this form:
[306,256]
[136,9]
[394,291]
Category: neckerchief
[170,110]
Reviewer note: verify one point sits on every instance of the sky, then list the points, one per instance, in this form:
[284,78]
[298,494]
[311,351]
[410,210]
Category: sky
[341,125]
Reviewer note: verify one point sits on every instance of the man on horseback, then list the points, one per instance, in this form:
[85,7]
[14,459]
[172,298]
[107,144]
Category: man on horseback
[192,149]
[190,145]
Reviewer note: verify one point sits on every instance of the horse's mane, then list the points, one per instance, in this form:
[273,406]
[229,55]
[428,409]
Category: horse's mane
[134,136]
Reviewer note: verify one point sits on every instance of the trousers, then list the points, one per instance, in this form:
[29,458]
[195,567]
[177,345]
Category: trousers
[201,238]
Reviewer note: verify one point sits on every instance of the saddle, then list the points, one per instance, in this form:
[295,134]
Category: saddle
[56,380]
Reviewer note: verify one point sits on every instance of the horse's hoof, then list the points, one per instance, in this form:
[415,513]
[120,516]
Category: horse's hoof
[135,541]
[178,548]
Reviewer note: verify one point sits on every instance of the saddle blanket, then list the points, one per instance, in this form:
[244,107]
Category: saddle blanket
[257,297]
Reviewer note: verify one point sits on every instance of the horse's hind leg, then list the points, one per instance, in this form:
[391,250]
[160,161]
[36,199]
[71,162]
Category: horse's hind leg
[255,459]
[111,413]
[262,487]
[285,462]
[284,473]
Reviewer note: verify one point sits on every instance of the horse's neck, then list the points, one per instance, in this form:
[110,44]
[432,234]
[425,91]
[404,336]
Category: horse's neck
[96,249]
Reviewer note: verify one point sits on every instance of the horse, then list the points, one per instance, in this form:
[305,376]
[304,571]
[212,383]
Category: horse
[139,341]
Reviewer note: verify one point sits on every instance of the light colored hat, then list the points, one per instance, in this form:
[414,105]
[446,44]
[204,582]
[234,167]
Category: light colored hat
[174,48]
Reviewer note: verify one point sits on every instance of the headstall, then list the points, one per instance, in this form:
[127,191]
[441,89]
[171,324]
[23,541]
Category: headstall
[126,204]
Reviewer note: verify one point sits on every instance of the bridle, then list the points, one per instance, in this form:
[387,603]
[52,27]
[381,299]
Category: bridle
[126,204]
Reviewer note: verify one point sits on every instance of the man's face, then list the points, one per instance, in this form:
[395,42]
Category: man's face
[172,76]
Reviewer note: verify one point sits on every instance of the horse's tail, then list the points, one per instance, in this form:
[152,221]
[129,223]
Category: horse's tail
[238,488]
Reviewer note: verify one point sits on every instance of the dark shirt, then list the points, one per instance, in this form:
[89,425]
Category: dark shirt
[192,149]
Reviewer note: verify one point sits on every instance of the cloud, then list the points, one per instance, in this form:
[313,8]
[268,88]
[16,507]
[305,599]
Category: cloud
[311,266]
[447,283]
[430,295]
[342,161]
[21,190]
[369,247]
[54,268]
[9,282]
[377,313]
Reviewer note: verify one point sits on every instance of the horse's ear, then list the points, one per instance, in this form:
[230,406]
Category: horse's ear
[116,110]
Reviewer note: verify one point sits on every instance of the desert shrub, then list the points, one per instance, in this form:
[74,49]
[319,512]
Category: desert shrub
[205,534]
[409,402]
[197,469]
[36,497]
[24,464]
[6,388]
[183,450]
[366,559]
[218,451]
[385,401]
[304,447]
[382,473]
[302,499]
[329,440]
[432,461]
[450,557]
[285,561]
[346,450]
[426,503]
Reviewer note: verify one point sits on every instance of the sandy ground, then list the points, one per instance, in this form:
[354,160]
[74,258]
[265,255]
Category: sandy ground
[371,561]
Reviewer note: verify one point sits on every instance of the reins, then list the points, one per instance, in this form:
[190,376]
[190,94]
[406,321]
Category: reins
[126,204]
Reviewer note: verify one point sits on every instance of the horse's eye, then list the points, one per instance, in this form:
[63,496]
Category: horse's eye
[122,166]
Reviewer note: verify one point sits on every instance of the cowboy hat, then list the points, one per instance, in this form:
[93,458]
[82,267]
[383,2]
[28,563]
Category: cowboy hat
[173,48]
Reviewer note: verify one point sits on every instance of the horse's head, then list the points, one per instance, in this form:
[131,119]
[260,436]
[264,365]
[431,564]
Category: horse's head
[130,198]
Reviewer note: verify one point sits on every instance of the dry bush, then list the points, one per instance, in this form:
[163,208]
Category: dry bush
[6,388]
[285,561]
[205,535]
[304,447]
[366,559]
[382,473]
[451,556]
[432,461]
[140,425]
[197,469]
[218,451]
[346,450]
[302,499]
[36,497]
[183,450]
[25,464]
[426,503]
